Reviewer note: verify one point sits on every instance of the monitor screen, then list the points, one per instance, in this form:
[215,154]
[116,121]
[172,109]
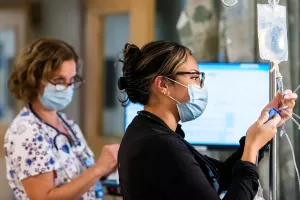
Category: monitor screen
[237,92]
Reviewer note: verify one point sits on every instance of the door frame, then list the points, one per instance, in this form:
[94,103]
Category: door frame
[141,31]
[21,30]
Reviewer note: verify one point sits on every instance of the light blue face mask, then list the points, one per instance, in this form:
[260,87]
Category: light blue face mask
[56,100]
[195,107]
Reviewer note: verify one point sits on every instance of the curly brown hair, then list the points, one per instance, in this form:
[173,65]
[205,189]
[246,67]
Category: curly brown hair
[38,61]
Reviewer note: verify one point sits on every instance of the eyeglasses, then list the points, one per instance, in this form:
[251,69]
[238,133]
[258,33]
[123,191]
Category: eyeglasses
[62,85]
[196,75]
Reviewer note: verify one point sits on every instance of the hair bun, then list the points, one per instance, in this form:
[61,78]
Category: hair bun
[121,83]
[132,53]
[132,49]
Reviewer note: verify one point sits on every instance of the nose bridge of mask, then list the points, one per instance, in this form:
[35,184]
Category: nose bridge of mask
[50,89]
[192,92]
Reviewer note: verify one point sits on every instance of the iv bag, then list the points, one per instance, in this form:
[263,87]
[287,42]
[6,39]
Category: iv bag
[272,33]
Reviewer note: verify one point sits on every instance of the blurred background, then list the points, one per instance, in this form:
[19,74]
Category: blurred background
[98,30]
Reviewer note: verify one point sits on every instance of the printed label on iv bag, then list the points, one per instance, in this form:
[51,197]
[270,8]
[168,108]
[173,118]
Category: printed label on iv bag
[272,33]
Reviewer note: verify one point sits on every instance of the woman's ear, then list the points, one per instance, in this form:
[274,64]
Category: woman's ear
[160,83]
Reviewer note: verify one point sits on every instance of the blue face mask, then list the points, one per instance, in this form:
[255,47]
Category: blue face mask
[195,107]
[56,100]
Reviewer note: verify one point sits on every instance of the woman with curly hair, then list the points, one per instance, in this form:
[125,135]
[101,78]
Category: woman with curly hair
[47,156]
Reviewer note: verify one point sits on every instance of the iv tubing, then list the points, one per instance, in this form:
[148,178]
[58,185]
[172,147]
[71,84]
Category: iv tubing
[292,118]
[296,89]
[296,115]
[293,154]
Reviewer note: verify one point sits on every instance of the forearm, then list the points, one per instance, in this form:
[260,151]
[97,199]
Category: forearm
[77,187]
[242,153]
[249,155]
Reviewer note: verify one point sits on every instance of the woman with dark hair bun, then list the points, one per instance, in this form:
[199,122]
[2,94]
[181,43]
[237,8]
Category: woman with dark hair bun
[154,160]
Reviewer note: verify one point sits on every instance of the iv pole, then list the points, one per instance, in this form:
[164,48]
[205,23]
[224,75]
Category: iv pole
[274,80]
[273,146]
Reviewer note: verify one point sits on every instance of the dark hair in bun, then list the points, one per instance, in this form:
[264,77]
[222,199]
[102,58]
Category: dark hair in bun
[141,66]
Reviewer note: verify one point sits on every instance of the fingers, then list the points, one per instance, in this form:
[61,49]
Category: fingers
[114,148]
[289,99]
[286,114]
[288,91]
[263,117]
[275,102]
[278,96]
[290,104]
[290,96]
[274,121]
[286,94]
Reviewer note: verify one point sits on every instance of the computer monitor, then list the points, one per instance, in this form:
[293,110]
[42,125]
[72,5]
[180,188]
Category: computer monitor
[237,93]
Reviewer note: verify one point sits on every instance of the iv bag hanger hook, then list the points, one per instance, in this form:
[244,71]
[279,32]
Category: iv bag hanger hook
[273,3]
[231,3]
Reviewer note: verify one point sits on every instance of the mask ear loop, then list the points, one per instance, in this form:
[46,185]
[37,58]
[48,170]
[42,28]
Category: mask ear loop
[170,97]
[177,82]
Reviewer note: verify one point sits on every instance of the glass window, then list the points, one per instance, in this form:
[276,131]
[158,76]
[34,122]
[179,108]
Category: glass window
[7,54]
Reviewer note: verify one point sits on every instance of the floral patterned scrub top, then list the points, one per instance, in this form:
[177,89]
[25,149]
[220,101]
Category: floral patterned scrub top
[32,147]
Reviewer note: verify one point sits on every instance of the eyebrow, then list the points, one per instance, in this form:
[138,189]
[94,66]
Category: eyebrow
[62,77]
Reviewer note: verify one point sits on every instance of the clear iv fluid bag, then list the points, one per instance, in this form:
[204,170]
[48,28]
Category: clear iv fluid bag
[272,33]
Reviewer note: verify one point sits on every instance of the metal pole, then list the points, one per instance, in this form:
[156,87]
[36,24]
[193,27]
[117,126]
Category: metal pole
[293,7]
[273,147]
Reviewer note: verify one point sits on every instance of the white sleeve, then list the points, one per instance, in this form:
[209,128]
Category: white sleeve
[30,151]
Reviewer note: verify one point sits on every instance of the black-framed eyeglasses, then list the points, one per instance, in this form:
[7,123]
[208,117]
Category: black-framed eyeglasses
[62,85]
[197,74]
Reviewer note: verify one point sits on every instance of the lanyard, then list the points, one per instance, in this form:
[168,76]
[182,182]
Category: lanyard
[59,134]
[78,143]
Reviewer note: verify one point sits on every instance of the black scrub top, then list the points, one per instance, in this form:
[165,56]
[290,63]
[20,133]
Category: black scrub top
[156,163]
